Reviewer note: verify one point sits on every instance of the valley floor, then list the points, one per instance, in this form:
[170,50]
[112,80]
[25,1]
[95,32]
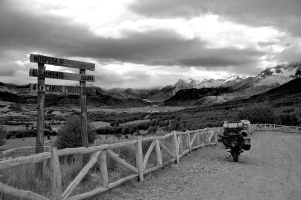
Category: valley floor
[270,170]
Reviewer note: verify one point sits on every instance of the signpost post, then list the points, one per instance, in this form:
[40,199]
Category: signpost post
[40,121]
[83,116]
[42,73]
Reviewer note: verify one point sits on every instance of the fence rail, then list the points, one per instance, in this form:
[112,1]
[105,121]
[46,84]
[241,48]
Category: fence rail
[182,142]
[275,127]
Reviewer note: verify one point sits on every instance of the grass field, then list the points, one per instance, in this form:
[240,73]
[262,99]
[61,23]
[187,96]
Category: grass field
[31,141]
[99,124]
[14,127]
[24,176]
[147,109]
[135,122]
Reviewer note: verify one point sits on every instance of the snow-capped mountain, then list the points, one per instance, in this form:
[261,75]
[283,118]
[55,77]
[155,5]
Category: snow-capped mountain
[244,87]
[272,80]
[192,83]
[235,78]
[207,83]
[280,70]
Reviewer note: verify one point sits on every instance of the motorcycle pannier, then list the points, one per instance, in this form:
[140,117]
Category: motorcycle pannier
[233,125]
[246,144]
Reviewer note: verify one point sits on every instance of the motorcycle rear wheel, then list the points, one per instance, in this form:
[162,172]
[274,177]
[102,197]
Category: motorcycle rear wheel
[235,156]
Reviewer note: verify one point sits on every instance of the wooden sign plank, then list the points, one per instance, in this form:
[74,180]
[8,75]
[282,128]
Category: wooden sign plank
[60,75]
[61,88]
[61,62]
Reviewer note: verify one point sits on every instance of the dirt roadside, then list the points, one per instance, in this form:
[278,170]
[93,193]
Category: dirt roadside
[270,170]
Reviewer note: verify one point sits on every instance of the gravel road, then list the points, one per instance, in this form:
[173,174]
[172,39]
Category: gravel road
[270,170]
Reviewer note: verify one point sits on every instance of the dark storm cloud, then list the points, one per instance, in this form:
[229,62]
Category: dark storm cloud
[129,79]
[29,32]
[26,31]
[264,44]
[7,71]
[223,57]
[284,14]
[291,54]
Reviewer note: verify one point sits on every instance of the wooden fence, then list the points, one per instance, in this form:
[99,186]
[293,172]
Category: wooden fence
[182,142]
[275,127]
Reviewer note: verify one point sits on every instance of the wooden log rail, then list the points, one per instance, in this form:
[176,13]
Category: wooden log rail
[275,127]
[182,144]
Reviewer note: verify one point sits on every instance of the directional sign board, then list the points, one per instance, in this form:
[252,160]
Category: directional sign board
[41,73]
[60,75]
[61,62]
[61,88]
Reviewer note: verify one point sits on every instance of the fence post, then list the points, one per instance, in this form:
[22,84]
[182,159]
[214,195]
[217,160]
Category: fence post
[176,143]
[158,153]
[40,121]
[180,141]
[215,136]
[139,158]
[207,137]
[188,139]
[102,161]
[55,176]
[197,139]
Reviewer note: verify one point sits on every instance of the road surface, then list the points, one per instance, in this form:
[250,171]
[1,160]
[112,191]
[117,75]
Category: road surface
[271,170]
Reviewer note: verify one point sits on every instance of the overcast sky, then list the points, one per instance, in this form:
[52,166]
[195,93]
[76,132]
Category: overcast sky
[149,43]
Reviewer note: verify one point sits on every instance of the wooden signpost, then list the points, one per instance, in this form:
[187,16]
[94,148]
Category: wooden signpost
[61,62]
[41,88]
[60,75]
[61,89]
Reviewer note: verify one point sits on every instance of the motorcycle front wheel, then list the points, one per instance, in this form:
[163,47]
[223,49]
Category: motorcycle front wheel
[235,156]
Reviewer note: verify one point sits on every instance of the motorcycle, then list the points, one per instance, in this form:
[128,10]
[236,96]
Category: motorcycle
[236,139]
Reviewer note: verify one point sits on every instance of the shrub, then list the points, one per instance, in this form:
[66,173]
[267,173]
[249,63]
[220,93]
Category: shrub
[114,123]
[288,119]
[2,136]
[126,152]
[69,136]
[152,130]
[288,110]
[257,114]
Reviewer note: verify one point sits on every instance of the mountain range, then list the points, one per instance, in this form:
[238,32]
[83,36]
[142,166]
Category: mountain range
[183,92]
[238,87]
[241,86]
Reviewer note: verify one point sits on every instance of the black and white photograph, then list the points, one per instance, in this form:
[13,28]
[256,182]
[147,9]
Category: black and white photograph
[150,99]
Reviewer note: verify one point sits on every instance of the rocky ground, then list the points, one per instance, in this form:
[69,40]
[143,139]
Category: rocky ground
[270,170]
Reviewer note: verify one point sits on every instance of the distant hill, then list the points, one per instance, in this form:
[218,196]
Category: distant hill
[288,93]
[20,94]
[141,93]
[188,96]
[163,94]
[131,93]
[7,96]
